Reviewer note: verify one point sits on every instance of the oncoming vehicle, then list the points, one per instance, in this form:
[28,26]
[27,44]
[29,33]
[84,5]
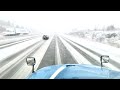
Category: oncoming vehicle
[45,37]
[73,71]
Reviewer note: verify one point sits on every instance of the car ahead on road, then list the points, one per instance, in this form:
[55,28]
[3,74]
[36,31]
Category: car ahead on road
[73,71]
[45,37]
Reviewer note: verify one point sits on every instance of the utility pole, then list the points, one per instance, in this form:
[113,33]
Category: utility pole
[14,27]
[15,30]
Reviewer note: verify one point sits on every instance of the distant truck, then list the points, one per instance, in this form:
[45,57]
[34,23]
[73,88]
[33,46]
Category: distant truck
[10,34]
[45,37]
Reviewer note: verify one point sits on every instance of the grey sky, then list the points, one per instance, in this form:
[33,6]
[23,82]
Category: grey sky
[62,21]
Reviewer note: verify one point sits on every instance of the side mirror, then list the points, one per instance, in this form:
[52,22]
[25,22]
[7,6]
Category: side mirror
[104,59]
[31,62]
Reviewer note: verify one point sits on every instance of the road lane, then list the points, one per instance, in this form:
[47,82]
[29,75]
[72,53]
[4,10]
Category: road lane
[75,54]
[49,57]
[66,57]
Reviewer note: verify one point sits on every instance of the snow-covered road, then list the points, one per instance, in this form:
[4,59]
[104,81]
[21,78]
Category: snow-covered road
[59,49]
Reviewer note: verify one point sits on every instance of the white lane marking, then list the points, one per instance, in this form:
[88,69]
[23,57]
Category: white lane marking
[57,54]
[27,70]
[78,57]
[94,56]
[57,72]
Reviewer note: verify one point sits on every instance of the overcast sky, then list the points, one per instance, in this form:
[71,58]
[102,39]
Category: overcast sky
[62,21]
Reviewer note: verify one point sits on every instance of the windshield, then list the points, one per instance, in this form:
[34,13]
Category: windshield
[57,38]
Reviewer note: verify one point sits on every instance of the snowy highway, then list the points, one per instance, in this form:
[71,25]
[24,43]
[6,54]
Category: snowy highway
[58,49]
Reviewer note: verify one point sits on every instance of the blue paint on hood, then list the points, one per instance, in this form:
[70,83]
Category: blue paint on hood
[78,71]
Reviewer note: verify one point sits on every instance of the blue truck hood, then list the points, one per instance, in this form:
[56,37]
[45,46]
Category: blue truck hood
[76,71]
